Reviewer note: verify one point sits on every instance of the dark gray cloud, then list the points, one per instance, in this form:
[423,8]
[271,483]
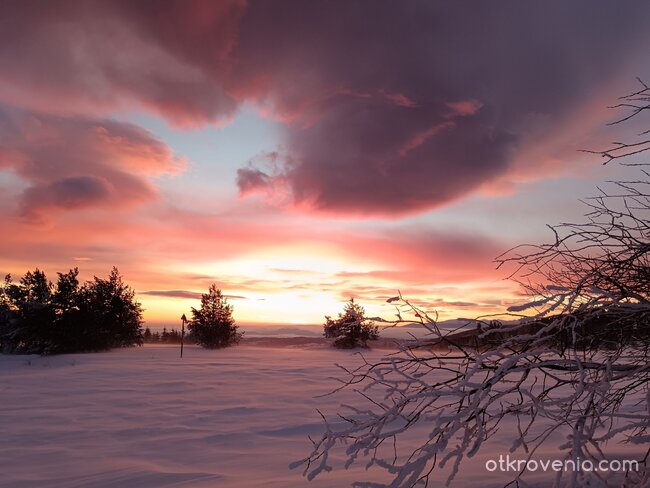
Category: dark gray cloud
[396,107]
[72,192]
[251,180]
[184,294]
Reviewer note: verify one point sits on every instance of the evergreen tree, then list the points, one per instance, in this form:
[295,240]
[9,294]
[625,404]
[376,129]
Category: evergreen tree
[39,318]
[8,294]
[35,287]
[33,317]
[351,328]
[66,293]
[70,327]
[173,337]
[213,325]
[117,316]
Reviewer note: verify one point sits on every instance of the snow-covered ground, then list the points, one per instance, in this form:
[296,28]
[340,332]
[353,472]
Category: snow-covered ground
[143,417]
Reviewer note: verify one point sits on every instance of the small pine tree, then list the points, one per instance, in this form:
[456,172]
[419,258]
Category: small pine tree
[351,328]
[213,325]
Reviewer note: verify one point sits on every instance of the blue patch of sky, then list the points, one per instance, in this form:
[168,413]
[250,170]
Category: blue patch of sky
[214,153]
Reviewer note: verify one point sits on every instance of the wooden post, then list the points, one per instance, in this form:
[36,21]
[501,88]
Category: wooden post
[183,320]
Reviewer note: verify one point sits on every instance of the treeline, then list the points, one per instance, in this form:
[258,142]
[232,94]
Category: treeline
[41,317]
[172,336]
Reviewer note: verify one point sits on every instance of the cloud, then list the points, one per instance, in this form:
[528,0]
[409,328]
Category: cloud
[173,294]
[398,109]
[76,162]
[251,180]
[473,78]
[411,254]
[295,271]
[102,56]
[71,192]
[458,304]
[464,107]
[184,294]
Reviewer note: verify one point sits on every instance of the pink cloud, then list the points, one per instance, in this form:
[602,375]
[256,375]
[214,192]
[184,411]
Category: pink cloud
[71,163]
[464,108]
[399,99]
[421,137]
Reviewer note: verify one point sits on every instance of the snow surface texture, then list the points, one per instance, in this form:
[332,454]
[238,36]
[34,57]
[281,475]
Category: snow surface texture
[143,417]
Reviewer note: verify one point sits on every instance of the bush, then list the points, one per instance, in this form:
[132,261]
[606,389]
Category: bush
[213,325]
[351,328]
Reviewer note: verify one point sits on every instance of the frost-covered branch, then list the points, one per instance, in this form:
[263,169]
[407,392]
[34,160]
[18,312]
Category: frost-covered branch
[573,360]
[461,393]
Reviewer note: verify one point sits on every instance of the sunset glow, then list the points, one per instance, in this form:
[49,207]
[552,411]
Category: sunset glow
[295,167]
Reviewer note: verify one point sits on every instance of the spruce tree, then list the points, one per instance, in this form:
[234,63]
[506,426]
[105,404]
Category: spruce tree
[213,325]
[351,328]
[33,324]
[70,321]
[116,315]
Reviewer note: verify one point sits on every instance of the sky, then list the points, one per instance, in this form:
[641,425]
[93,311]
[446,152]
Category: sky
[302,153]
